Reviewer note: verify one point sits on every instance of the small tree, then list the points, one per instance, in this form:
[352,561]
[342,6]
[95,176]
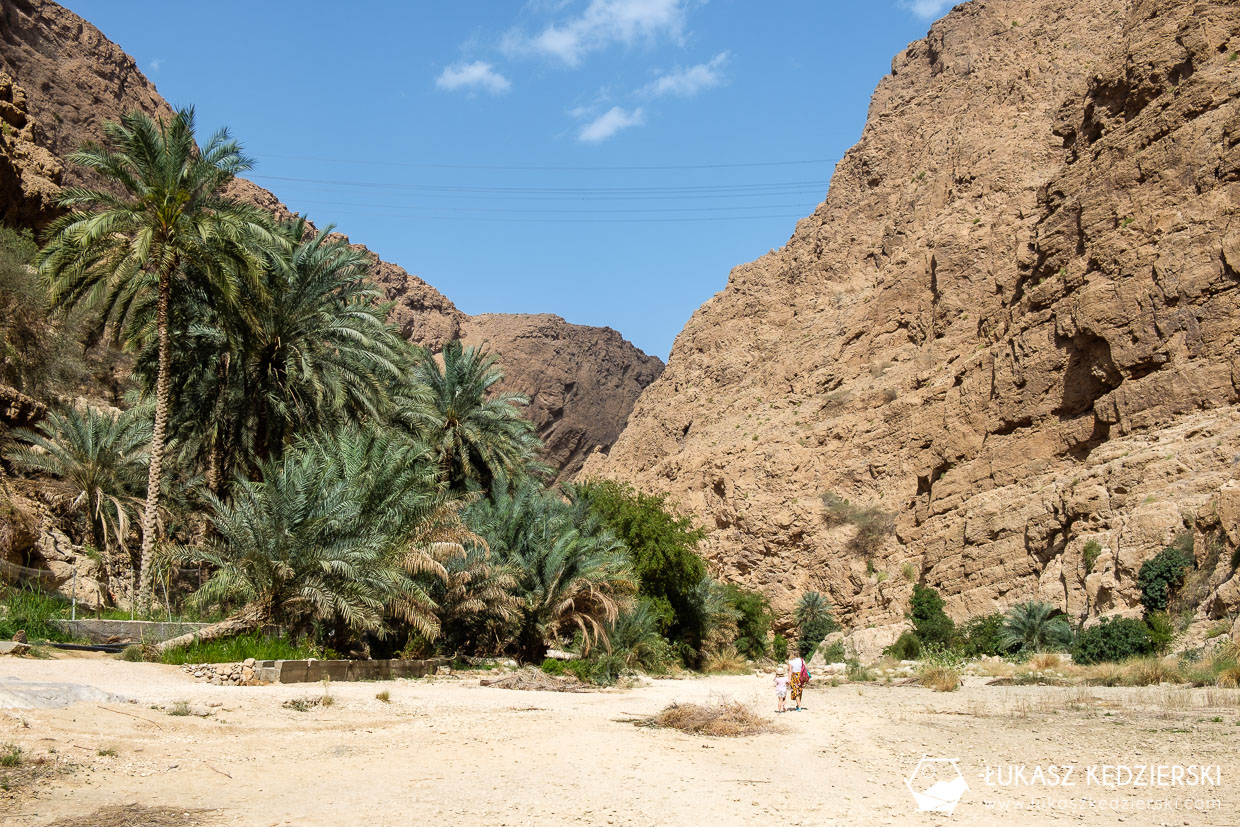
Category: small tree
[1034,626]
[814,622]
[930,622]
[1163,574]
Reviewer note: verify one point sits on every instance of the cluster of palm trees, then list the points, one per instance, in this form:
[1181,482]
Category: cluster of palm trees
[327,475]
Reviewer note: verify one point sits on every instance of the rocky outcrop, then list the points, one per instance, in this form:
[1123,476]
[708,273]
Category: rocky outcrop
[78,80]
[581,381]
[29,173]
[1012,326]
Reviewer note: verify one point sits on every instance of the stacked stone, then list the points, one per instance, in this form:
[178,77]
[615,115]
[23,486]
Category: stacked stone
[223,674]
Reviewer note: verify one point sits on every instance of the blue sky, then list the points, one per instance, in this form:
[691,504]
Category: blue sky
[606,160]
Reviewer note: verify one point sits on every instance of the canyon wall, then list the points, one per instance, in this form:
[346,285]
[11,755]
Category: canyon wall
[1011,329]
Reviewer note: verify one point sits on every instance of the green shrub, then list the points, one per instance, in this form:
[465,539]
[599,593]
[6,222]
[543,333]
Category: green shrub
[1035,626]
[553,667]
[906,647]
[814,622]
[1090,554]
[929,620]
[1163,573]
[579,669]
[982,635]
[133,653]
[779,649]
[833,652]
[1114,639]
[10,756]
[1161,629]
[753,620]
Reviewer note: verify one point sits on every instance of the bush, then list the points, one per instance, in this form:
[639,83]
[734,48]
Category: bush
[929,620]
[814,622]
[1163,573]
[1034,626]
[1161,629]
[553,667]
[1090,554]
[906,647]
[779,649]
[834,652]
[1114,639]
[753,621]
[872,523]
[982,636]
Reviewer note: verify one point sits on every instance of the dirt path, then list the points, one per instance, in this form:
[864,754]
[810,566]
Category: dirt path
[449,749]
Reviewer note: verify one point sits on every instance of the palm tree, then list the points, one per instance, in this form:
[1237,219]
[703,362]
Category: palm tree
[572,574]
[476,600]
[479,436]
[1034,626]
[814,622]
[100,462]
[163,212]
[344,531]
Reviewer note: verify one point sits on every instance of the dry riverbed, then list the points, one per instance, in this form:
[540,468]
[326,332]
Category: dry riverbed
[448,750]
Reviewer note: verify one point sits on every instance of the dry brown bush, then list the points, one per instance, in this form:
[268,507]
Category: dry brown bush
[725,719]
[940,678]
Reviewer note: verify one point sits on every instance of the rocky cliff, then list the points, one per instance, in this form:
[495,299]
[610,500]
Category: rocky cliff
[75,80]
[1009,330]
[578,405]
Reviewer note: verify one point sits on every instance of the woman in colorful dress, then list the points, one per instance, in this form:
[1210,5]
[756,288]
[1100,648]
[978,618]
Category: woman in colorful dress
[796,668]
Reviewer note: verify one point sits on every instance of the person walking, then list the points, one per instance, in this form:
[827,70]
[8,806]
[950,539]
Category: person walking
[798,674]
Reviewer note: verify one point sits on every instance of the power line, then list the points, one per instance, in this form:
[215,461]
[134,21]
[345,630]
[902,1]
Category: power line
[567,191]
[497,167]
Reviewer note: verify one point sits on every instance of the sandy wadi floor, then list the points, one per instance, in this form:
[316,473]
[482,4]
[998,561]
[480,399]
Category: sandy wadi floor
[447,749]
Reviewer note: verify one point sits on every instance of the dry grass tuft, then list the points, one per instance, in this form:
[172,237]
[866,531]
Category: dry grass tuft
[135,815]
[940,678]
[1229,678]
[1046,660]
[723,719]
[1151,672]
[384,696]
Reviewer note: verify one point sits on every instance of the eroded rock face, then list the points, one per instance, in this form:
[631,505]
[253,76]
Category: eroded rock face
[581,381]
[1012,325]
[29,172]
[78,80]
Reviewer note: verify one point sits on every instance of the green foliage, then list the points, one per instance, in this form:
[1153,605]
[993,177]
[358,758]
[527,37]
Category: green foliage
[236,649]
[478,436]
[10,756]
[833,653]
[906,647]
[634,638]
[553,667]
[930,622]
[133,654]
[27,610]
[1114,639]
[1035,626]
[572,574]
[474,600]
[340,534]
[1090,554]
[779,648]
[982,635]
[873,525]
[1162,574]
[99,461]
[753,621]
[1161,629]
[814,622]
[661,547]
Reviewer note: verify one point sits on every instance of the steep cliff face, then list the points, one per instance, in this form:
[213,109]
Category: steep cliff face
[76,80]
[581,381]
[1011,326]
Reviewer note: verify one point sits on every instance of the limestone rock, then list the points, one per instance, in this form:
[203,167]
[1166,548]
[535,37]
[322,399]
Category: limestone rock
[1011,326]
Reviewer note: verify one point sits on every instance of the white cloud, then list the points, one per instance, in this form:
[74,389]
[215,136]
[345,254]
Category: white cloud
[156,63]
[928,8]
[476,75]
[686,83]
[602,24]
[609,123]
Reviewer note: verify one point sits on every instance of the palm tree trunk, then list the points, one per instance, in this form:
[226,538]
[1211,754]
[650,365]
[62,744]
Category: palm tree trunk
[246,620]
[162,388]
